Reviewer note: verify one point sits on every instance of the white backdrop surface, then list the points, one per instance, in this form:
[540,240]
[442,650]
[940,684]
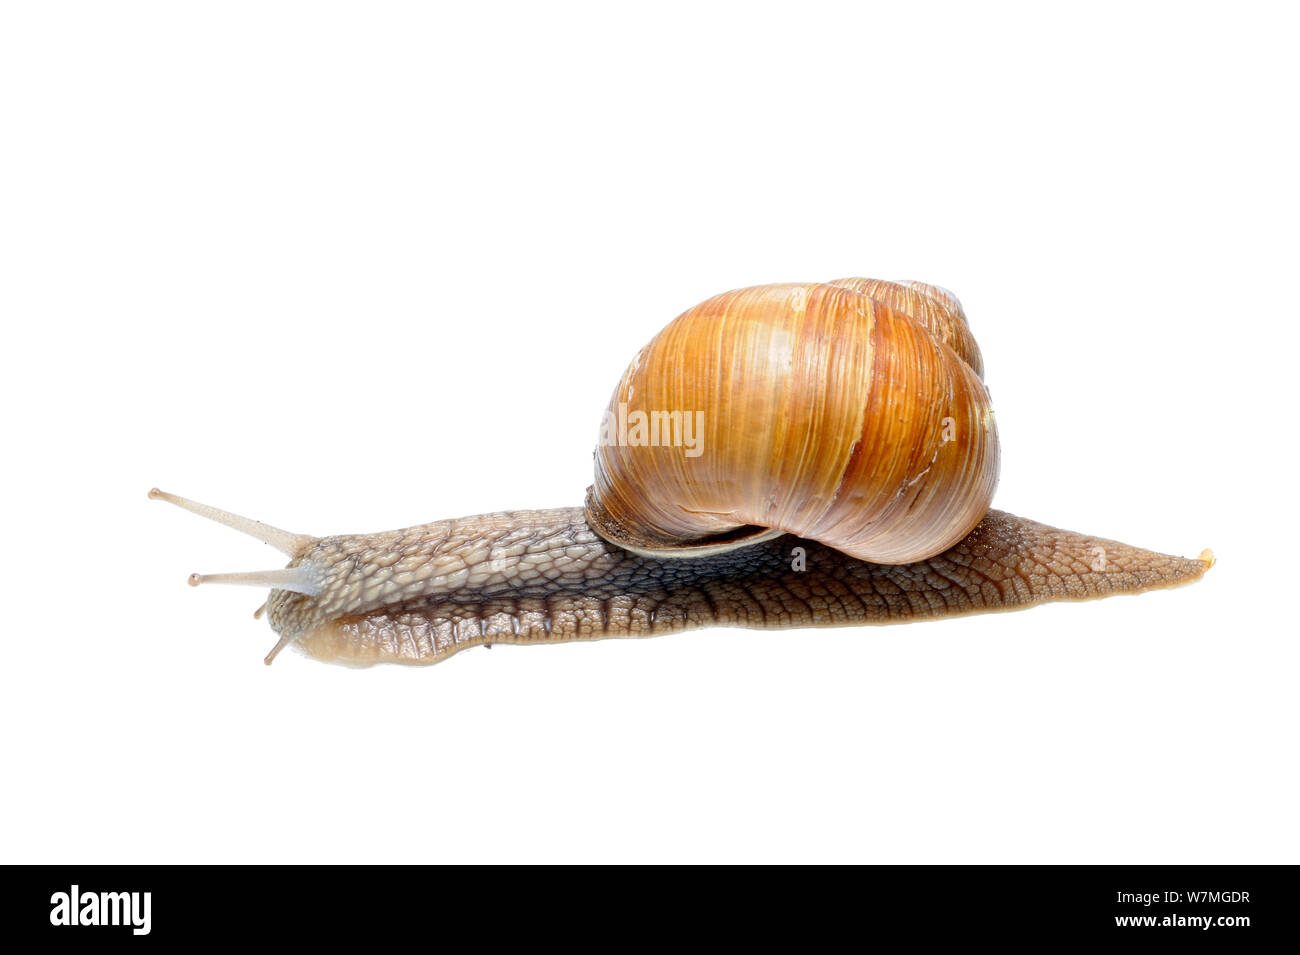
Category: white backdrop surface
[348,267]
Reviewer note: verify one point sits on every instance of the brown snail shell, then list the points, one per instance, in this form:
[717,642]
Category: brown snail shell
[849,412]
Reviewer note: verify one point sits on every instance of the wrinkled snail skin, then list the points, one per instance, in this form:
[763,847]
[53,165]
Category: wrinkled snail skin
[420,595]
[847,457]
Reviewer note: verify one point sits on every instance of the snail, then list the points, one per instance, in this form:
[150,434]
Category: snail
[796,455]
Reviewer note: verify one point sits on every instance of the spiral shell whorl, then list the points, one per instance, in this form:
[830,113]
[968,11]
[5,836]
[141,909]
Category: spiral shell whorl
[935,308]
[855,419]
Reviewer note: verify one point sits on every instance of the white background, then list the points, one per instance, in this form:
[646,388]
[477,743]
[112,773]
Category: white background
[347,267]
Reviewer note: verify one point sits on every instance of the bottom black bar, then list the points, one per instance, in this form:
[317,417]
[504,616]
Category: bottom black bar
[1228,906]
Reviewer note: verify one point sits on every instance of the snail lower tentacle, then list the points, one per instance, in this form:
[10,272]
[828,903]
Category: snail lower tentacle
[420,595]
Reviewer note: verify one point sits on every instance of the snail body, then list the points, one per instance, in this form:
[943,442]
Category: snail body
[846,460]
